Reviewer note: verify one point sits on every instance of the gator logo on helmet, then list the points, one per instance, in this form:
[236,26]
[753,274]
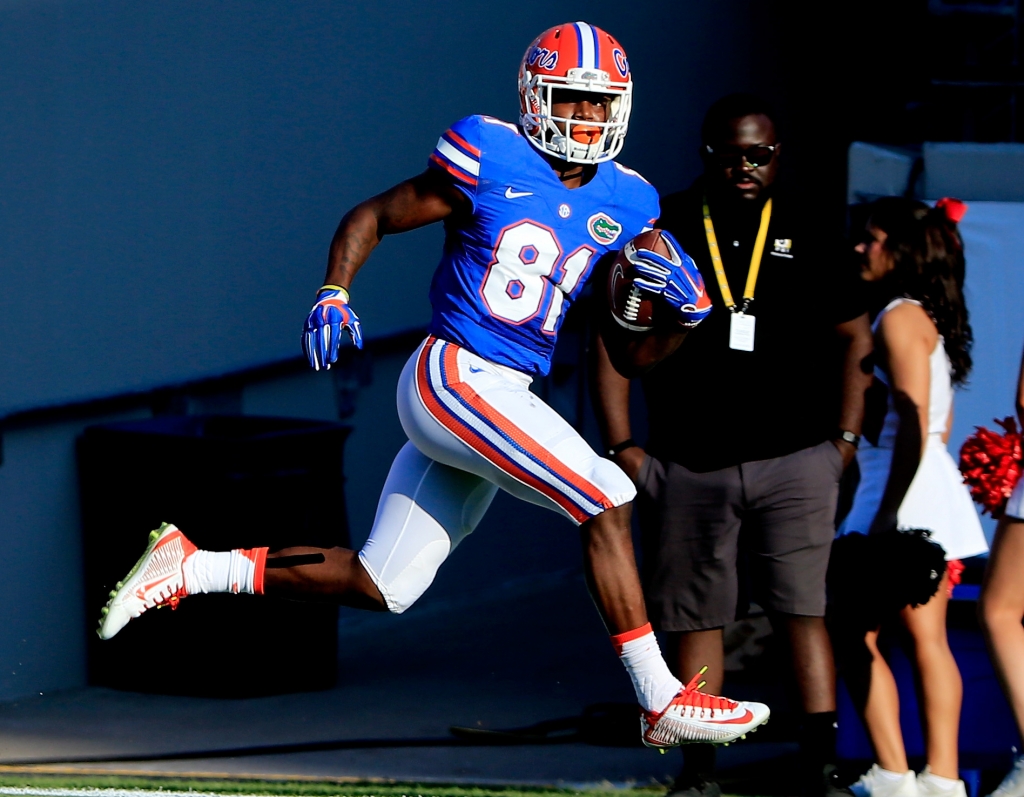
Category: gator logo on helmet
[620,62]
[603,228]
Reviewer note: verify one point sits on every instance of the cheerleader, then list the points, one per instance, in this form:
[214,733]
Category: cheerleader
[914,256]
[1001,608]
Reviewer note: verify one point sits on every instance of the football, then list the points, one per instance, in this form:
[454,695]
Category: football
[631,307]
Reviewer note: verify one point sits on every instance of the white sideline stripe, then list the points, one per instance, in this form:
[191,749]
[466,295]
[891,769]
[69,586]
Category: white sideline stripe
[35,792]
[458,158]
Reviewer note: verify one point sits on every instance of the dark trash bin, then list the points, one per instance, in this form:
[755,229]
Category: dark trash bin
[227,482]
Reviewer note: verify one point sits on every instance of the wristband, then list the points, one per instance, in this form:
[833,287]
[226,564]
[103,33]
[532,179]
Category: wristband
[619,448]
[344,292]
[847,436]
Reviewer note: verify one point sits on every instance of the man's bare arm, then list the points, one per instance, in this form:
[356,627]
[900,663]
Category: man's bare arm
[421,200]
[611,404]
[856,337]
[635,354]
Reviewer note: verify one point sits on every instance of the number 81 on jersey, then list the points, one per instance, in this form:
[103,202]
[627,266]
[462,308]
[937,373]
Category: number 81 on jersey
[526,259]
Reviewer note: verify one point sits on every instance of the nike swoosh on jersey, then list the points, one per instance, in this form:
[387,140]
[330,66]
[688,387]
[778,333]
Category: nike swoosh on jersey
[510,194]
[474,369]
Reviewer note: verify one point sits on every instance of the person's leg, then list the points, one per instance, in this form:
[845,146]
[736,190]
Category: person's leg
[333,574]
[690,526]
[791,510]
[690,556]
[425,510]
[880,707]
[814,672]
[940,683]
[479,417]
[813,665]
[696,649]
[692,651]
[426,507]
[610,567]
[1001,608]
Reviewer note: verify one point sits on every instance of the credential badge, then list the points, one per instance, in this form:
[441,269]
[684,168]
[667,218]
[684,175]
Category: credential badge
[603,228]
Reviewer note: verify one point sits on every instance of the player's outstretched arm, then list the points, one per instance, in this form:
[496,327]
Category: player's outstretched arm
[422,200]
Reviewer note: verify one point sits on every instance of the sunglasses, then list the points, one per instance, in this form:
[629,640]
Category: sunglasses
[755,156]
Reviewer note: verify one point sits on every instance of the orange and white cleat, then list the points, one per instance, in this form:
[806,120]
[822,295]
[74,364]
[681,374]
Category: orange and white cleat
[156,580]
[695,716]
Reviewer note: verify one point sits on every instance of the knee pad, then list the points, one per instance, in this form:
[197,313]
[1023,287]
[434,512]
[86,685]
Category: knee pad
[425,510]
[402,558]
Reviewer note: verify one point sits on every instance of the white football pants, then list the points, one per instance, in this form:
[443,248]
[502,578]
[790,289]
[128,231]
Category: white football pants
[473,427]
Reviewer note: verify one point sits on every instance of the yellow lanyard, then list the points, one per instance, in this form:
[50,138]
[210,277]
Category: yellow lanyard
[755,258]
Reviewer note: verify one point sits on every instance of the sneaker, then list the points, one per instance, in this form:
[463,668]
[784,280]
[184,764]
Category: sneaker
[695,716]
[156,580]
[1013,783]
[929,785]
[878,782]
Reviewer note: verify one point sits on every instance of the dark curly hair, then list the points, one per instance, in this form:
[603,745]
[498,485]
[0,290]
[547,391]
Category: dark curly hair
[729,107]
[928,257]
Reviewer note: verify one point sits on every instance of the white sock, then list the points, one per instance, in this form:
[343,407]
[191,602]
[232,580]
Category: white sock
[655,685]
[223,571]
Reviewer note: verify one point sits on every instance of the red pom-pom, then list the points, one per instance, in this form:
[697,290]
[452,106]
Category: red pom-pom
[991,465]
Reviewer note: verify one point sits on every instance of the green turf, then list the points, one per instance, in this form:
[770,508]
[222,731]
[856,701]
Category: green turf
[305,788]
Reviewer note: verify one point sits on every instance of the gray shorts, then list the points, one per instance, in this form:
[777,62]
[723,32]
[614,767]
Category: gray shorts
[691,525]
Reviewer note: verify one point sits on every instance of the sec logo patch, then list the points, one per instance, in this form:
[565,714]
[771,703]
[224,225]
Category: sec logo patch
[564,211]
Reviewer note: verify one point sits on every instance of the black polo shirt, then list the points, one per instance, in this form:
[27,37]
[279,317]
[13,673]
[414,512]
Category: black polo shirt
[710,406]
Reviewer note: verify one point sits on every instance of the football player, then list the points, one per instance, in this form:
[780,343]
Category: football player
[528,210]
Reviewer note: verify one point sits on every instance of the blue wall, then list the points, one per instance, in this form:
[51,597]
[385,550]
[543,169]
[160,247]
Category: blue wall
[170,178]
[171,173]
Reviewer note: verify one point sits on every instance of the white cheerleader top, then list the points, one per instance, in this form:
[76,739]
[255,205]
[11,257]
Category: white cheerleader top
[937,499]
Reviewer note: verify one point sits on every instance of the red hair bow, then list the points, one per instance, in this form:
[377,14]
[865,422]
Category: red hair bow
[953,208]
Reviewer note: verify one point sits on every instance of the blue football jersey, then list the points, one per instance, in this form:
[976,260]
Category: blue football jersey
[512,267]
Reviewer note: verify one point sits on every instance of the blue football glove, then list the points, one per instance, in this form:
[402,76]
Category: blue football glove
[325,326]
[676,279]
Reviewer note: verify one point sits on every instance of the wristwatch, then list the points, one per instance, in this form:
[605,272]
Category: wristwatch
[620,447]
[849,437]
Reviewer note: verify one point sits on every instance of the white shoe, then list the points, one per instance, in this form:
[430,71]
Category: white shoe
[156,580]
[1013,783]
[695,716]
[929,785]
[878,782]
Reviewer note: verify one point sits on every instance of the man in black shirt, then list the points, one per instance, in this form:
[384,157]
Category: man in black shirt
[749,427]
